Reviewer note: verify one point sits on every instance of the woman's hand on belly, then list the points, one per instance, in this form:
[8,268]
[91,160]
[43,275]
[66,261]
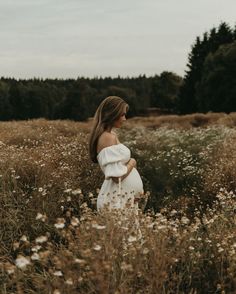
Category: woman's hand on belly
[133,164]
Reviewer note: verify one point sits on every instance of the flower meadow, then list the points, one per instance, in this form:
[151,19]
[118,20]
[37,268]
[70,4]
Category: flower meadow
[53,240]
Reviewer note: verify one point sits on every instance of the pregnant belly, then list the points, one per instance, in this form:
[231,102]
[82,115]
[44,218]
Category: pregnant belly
[133,182]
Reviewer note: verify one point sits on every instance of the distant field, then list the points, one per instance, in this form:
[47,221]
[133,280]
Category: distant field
[52,240]
[183,121]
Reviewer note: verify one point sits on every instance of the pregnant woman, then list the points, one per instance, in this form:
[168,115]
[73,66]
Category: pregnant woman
[123,185]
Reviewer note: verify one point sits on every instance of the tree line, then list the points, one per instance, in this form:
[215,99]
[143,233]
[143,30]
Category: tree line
[209,84]
[77,99]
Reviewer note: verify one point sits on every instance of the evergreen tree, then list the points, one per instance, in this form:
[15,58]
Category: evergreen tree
[217,89]
[73,106]
[187,102]
[5,107]
[164,90]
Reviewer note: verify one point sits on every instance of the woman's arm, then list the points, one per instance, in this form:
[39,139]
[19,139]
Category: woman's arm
[130,165]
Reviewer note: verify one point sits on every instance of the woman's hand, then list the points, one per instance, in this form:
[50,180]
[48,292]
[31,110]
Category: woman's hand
[133,162]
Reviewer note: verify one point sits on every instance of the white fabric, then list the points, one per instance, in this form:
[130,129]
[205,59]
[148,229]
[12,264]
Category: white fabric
[112,161]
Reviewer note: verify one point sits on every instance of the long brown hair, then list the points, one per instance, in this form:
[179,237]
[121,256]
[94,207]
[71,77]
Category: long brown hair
[109,110]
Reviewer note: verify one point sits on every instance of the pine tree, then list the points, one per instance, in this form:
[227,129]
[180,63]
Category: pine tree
[187,102]
[217,89]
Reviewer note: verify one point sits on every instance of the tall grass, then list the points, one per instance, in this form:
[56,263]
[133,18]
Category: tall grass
[177,163]
[103,253]
[52,240]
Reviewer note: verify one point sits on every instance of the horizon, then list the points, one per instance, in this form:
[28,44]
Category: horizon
[90,78]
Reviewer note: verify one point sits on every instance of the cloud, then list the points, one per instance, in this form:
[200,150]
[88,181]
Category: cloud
[89,37]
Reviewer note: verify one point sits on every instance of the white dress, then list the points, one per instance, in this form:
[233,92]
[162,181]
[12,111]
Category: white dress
[112,161]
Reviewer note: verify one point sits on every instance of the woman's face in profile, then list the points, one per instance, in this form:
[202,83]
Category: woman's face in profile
[118,123]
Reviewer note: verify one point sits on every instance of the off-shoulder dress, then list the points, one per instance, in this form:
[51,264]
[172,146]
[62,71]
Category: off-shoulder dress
[112,161]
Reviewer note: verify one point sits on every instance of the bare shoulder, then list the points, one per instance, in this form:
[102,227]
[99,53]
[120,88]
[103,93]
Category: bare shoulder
[117,139]
[106,139]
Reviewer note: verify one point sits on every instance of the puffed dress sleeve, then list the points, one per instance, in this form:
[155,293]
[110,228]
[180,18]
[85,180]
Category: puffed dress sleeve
[112,162]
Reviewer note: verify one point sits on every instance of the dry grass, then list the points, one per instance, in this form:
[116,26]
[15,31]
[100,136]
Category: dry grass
[106,254]
[221,171]
[184,121]
[52,240]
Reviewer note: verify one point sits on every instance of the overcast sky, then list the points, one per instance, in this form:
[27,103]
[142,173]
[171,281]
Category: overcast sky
[71,38]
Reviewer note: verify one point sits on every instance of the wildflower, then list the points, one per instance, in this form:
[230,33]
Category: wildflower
[22,261]
[161,227]
[132,239]
[69,281]
[60,224]
[58,273]
[185,220]
[98,227]
[10,268]
[67,190]
[41,239]
[23,238]
[139,274]
[80,261]
[40,189]
[36,248]
[77,191]
[16,245]
[74,221]
[97,247]
[35,256]
[41,217]
[191,248]
[173,212]
[84,205]
[90,195]
[145,251]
